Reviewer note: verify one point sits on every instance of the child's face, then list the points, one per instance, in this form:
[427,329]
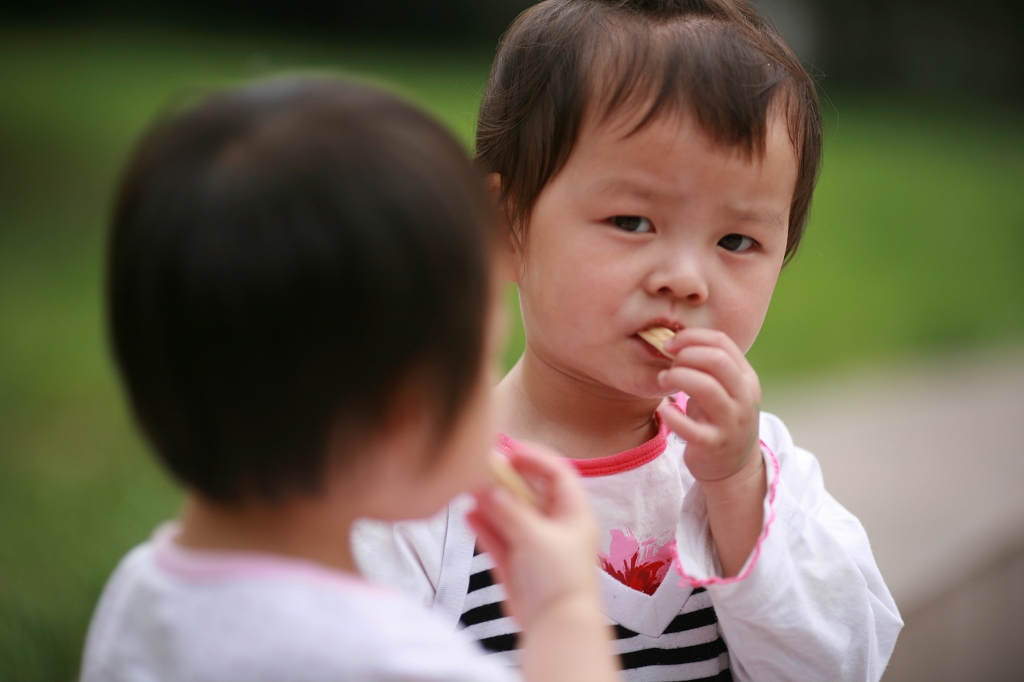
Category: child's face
[657,228]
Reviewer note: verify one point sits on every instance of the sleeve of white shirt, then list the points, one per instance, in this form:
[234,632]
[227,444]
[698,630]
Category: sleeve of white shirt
[809,603]
[405,556]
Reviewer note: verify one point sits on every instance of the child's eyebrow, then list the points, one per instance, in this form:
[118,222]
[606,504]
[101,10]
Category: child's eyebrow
[745,214]
[765,216]
[621,186]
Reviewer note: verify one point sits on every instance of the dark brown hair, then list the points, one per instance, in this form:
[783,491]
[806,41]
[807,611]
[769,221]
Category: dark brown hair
[564,60]
[284,258]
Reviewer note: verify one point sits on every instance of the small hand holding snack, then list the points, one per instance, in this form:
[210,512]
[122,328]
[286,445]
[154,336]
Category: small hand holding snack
[544,550]
[720,424]
[720,427]
[506,477]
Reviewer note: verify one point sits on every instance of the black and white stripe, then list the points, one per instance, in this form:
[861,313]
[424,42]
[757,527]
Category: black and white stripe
[482,615]
[690,648]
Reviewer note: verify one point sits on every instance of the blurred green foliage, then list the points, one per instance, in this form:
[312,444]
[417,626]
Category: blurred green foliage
[915,245]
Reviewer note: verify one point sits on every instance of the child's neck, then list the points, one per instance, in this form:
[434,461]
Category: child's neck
[299,530]
[578,419]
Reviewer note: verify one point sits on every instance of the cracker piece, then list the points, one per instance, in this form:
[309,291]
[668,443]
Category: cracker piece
[657,336]
[509,479]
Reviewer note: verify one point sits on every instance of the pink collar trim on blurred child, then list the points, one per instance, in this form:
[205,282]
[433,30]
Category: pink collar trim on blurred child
[207,564]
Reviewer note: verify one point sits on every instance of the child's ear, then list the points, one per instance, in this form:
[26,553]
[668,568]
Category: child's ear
[493,183]
[401,438]
[509,258]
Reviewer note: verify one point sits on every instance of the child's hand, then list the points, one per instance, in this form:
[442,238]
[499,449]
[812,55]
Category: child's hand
[544,555]
[720,426]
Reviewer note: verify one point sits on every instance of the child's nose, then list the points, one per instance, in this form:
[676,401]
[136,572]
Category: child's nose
[681,277]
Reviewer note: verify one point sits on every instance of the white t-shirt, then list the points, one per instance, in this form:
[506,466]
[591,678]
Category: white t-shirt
[171,613]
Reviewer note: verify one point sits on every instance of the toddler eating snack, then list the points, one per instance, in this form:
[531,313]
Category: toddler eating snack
[303,311]
[655,161]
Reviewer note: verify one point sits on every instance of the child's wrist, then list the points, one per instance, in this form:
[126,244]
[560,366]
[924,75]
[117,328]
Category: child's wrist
[735,513]
[749,480]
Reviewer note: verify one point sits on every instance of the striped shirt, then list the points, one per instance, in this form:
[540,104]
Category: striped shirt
[689,648]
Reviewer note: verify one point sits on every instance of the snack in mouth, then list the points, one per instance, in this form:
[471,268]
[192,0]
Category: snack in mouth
[657,336]
[508,478]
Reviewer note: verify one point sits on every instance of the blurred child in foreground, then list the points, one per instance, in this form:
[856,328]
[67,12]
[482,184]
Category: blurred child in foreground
[655,161]
[303,310]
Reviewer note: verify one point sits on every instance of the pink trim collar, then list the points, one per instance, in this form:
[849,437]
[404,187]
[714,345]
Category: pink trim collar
[202,564]
[613,464]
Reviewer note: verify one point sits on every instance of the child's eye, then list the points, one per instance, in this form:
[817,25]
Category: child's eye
[632,223]
[736,243]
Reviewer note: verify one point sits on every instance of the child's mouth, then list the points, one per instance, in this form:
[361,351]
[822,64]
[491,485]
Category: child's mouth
[656,337]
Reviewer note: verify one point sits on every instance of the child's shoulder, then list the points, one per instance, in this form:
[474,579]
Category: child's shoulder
[216,615]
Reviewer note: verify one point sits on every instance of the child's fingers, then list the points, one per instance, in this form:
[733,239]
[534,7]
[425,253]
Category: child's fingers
[703,390]
[685,427]
[711,338]
[558,481]
[719,364]
[700,336]
[509,518]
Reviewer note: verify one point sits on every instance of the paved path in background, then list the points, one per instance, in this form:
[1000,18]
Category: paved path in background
[930,458]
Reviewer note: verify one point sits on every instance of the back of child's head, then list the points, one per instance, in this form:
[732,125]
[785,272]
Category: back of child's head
[284,258]
[564,62]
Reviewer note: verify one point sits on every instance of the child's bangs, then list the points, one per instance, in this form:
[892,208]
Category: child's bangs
[701,67]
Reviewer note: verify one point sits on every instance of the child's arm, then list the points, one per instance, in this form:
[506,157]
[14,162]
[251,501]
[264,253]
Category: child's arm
[545,558]
[799,595]
[809,603]
[720,427]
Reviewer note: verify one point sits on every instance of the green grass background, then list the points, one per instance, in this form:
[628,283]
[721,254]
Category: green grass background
[915,246]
